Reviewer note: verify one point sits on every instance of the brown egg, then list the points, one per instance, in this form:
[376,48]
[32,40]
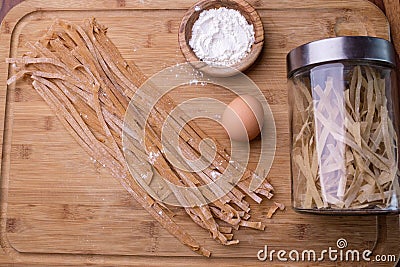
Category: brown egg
[243,118]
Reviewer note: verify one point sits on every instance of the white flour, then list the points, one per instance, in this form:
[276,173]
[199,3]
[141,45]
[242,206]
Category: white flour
[221,36]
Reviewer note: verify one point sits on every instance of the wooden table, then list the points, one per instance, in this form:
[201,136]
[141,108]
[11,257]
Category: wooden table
[6,5]
[87,209]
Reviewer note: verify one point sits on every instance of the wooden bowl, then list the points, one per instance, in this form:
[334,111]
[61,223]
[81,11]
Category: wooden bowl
[185,34]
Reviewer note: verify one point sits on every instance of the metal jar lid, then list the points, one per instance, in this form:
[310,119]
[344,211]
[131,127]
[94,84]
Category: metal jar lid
[341,48]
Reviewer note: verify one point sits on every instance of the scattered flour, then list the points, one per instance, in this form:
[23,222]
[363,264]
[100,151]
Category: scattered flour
[221,36]
[215,174]
[153,157]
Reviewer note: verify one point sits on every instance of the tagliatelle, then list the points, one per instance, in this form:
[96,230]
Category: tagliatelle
[344,143]
[81,75]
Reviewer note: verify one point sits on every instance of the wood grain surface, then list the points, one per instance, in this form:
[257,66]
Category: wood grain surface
[59,208]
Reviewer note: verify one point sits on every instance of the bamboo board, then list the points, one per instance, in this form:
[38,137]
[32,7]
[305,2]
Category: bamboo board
[58,207]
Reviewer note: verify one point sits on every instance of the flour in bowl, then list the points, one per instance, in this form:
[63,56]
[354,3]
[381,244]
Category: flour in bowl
[221,37]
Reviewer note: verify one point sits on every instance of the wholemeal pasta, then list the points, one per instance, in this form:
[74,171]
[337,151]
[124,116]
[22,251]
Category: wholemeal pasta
[81,75]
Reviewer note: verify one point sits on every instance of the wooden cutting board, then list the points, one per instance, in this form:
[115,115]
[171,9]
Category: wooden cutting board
[59,208]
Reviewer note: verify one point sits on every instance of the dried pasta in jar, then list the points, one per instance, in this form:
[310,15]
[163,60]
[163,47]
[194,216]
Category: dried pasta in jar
[343,122]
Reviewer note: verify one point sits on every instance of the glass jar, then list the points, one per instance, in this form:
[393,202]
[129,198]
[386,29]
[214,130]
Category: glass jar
[343,126]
